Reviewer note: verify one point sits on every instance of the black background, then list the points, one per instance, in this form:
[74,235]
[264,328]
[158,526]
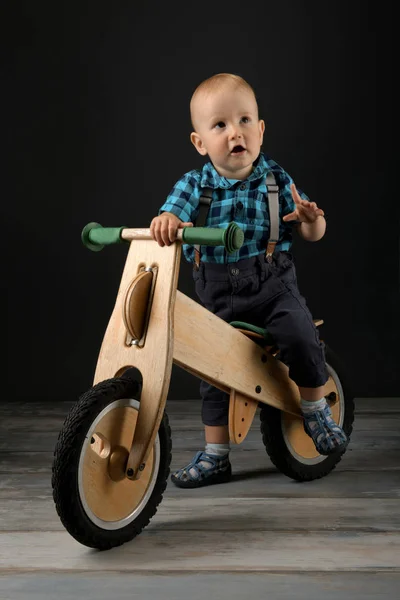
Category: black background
[96,128]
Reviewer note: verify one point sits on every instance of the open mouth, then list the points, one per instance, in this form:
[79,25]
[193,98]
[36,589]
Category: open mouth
[238,149]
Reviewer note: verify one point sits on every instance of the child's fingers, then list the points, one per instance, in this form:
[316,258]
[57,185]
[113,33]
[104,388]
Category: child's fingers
[154,229]
[307,204]
[310,214]
[157,233]
[295,194]
[171,233]
[291,216]
[314,210]
[181,225]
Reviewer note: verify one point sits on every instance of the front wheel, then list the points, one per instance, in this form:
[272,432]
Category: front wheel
[96,503]
[290,449]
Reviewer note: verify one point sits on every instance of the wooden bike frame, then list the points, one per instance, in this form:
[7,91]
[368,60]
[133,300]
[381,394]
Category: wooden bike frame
[176,329]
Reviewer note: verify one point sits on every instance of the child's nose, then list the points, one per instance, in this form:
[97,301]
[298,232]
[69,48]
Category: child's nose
[235,132]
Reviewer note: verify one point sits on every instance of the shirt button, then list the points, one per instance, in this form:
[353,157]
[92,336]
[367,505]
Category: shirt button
[242,187]
[239,205]
[235,271]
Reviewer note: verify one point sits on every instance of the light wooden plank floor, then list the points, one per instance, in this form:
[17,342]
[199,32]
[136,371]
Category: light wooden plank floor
[262,534]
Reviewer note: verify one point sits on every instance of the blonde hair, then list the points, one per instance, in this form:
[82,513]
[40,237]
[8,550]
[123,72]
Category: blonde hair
[217,82]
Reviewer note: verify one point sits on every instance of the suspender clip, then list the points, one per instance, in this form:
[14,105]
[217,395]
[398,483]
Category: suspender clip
[270,250]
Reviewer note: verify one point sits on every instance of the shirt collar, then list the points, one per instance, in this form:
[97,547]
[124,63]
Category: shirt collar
[211,179]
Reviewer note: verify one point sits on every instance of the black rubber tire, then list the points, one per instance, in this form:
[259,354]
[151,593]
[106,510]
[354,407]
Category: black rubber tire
[274,441]
[66,461]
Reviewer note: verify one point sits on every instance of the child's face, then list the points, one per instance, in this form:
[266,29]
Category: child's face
[228,130]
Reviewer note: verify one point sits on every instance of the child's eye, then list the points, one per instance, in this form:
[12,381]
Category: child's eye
[245,120]
[219,125]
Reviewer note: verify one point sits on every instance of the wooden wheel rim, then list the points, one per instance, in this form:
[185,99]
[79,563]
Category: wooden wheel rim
[114,504]
[299,444]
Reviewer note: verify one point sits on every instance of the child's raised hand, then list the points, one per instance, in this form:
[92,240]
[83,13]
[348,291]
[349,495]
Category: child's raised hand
[164,227]
[306,212]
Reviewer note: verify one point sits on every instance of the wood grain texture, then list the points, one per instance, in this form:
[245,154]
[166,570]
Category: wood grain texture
[338,535]
[236,364]
[155,551]
[154,358]
[229,585]
[229,513]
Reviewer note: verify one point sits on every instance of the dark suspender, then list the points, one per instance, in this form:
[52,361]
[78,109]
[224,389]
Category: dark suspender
[273,205]
[204,207]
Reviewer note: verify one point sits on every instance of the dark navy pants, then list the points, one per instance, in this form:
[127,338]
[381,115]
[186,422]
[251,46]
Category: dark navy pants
[263,294]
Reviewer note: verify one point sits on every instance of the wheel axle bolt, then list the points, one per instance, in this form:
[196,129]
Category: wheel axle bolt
[142,466]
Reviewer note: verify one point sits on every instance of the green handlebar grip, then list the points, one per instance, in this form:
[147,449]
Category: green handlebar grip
[232,237]
[95,237]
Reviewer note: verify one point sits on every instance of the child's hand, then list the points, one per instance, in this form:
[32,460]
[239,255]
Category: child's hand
[306,212]
[163,228]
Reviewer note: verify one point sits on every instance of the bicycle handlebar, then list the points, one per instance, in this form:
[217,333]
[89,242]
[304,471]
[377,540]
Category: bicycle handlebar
[95,237]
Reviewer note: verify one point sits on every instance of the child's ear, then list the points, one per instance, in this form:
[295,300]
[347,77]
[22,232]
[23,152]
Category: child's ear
[198,143]
[261,128]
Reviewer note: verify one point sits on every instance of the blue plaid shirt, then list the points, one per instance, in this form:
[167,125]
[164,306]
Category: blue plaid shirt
[244,202]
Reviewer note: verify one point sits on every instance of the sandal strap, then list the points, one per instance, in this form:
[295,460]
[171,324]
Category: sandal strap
[323,429]
[200,469]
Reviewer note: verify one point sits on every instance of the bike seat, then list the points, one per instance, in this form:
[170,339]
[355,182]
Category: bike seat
[260,333]
[254,331]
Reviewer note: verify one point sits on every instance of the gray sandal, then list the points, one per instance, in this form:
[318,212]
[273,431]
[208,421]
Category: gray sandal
[217,470]
[327,436]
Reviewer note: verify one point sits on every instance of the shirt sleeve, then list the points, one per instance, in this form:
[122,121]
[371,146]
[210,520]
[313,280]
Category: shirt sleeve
[183,200]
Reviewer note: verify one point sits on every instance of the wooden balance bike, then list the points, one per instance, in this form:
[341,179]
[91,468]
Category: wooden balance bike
[112,457]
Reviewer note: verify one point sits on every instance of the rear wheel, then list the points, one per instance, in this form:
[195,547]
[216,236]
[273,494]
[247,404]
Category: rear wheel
[96,503]
[289,447]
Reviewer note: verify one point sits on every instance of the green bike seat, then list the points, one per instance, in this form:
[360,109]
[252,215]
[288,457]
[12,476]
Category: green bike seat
[268,339]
